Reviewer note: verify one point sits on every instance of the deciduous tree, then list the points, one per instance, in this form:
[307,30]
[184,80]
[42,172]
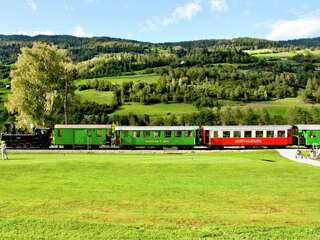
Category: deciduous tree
[42,86]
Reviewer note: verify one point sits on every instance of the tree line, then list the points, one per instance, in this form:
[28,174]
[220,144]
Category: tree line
[216,116]
[81,49]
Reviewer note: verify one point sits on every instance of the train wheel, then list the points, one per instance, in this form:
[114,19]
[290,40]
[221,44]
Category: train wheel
[27,146]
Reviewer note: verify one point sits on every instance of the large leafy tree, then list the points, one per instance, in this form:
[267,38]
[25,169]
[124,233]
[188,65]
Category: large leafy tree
[42,88]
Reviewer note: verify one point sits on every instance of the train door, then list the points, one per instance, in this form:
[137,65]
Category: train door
[80,137]
[207,137]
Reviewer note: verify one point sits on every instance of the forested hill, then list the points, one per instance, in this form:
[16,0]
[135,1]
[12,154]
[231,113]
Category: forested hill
[305,42]
[242,43]
[82,49]
[141,83]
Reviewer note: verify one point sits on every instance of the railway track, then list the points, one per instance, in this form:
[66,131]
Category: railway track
[146,151]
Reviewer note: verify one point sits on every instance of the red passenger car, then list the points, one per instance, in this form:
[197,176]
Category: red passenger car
[255,136]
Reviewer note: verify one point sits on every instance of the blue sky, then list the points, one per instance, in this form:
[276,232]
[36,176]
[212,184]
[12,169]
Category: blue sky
[163,20]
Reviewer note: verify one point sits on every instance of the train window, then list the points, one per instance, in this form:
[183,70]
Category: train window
[259,134]
[270,134]
[60,132]
[189,133]
[136,134]
[178,134]
[248,134]
[89,132]
[226,134]
[216,134]
[167,134]
[99,132]
[281,133]
[237,134]
[146,134]
[157,134]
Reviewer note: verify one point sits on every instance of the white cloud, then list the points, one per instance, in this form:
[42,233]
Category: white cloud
[150,24]
[183,12]
[218,5]
[32,5]
[34,33]
[80,32]
[307,26]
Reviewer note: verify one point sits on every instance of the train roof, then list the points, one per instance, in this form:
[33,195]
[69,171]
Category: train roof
[157,128]
[308,127]
[249,128]
[82,126]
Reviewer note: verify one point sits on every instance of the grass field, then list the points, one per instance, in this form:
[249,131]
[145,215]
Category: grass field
[92,95]
[120,79]
[275,107]
[249,195]
[156,109]
[269,53]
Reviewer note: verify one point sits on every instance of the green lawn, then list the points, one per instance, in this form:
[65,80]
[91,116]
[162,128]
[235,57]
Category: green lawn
[92,95]
[249,195]
[121,79]
[156,109]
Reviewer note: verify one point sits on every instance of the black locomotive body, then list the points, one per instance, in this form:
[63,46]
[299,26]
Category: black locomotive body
[38,138]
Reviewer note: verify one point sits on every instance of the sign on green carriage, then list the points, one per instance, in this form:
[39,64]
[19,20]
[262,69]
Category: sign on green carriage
[158,136]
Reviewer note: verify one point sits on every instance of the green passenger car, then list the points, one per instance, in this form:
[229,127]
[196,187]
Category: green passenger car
[82,135]
[157,136]
[309,135]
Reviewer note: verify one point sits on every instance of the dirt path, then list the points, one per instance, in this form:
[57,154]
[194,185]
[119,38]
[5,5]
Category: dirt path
[291,154]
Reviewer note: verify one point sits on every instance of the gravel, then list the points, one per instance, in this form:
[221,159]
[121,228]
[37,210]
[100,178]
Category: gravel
[291,155]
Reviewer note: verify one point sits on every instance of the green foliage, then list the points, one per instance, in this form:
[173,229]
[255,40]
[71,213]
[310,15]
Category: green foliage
[3,98]
[115,64]
[4,71]
[80,49]
[41,82]
[204,86]
[243,43]
[119,80]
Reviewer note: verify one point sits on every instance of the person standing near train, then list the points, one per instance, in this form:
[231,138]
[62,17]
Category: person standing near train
[4,153]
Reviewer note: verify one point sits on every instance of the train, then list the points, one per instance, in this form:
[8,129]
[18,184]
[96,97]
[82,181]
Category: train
[77,136]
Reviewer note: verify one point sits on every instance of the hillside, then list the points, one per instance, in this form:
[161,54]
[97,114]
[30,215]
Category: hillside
[236,81]
[86,48]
